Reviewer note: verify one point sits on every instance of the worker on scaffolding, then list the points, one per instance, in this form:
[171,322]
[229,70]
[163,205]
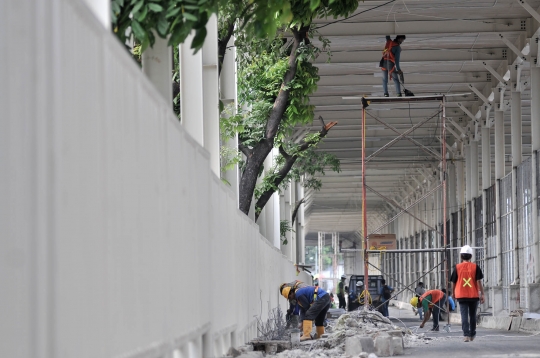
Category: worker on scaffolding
[313,303]
[292,312]
[431,302]
[390,63]
[468,290]
[363,294]
[340,292]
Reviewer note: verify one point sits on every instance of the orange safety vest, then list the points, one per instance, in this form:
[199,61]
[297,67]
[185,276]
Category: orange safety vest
[436,296]
[466,286]
[389,56]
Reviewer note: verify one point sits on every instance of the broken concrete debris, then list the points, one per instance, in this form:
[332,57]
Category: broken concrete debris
[365,334]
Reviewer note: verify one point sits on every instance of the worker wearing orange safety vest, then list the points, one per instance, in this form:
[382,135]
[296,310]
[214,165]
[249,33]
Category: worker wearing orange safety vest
[431,302]
[390,63]
[468,290]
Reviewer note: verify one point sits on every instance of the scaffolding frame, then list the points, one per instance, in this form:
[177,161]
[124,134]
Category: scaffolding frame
[442,158]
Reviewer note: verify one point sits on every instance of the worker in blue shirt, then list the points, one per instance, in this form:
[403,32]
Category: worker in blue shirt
[313,303]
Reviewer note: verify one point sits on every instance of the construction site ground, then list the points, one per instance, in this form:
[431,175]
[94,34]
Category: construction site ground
[488,342]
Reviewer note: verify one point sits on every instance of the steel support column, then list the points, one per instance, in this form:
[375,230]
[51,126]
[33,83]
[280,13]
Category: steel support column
[499,174]
[535,137]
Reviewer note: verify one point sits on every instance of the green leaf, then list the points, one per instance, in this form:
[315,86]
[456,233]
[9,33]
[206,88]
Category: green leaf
[189,16]
[198,40]
[143,13]
[138,30]
[155,7]
[173,12]
[162,26]
[137,7]
[314,4]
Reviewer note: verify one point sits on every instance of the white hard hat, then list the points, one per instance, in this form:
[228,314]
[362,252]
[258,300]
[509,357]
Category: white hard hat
[343,276]
[359,284]
[466,250]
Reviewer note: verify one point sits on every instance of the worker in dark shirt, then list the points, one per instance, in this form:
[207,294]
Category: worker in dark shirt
[390,63]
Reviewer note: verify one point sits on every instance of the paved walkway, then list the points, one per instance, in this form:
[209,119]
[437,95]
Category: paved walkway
[488,342]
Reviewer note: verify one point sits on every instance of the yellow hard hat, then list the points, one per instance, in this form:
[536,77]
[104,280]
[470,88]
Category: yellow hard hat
[285,292]
[414,301]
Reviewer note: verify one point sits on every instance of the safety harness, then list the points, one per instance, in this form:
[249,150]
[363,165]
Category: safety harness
[388,56]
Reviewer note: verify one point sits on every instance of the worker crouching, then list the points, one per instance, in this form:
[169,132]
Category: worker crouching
[313,303]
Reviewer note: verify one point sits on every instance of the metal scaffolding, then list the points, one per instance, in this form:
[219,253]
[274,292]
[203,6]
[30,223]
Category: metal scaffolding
[441,157]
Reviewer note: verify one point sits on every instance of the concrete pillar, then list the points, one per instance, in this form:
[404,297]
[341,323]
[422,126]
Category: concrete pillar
[460,180]
[516,129]
[451,187]
[211,94]
[499,145]
[157,66]
[486,158]
[300,224]
[191,89]
[468,170]
[474,169]
[499,173]
[102,10]
[227,80]
[535,136]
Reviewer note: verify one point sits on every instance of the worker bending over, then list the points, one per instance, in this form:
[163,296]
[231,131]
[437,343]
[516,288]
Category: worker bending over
[313,303]
[431,302]
[292,311]
[390,63]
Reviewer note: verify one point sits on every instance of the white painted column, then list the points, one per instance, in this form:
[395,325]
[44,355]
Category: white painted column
[157,66]
[460,194]
[499,145]
[516,129]
[102,10]
[499,173]
[300,224]
[191,90]
[486,158]
[229,97]
[535,136]
[474,169]
[211,94]
[468,192]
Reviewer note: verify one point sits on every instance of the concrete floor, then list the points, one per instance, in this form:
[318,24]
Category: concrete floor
[488,343]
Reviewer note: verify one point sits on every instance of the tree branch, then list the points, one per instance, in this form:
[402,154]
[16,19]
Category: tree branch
[289,162]
[280,104]
[295,211]
[247,152]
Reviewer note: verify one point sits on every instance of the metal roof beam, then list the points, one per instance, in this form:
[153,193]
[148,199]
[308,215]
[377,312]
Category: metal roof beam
[416,56]
[362,29]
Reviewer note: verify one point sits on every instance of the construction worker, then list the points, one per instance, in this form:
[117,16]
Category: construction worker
[313,303]
[466,285]
[340,292]
[386,294]
[420,290]
[292,313]
[362,293]
[431,302]
[390,62]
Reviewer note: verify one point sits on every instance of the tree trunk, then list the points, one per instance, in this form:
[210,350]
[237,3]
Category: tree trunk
[257,155]
[222,46]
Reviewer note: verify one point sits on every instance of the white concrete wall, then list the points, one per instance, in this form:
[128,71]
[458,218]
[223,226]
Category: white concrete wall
[117,239]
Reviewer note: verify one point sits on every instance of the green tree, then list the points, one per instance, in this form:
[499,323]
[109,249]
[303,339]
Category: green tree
[276,78]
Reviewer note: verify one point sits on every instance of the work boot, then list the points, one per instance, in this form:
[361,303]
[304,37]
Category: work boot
[471,338]
[435,329]
[466,339]
[307,328]
[320,331]
[386,94]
